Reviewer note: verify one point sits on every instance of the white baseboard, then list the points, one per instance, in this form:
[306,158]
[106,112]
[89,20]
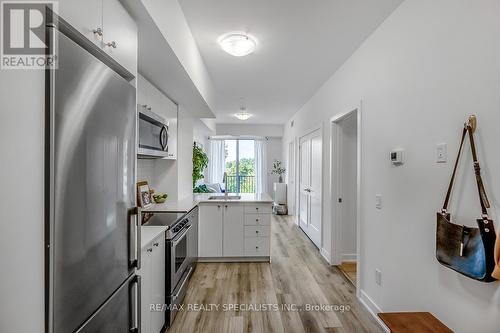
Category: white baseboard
[324,253]
[372,308]
[349,257]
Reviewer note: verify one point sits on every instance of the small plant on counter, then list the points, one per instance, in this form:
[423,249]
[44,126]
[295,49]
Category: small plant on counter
[200,162]
[278,170]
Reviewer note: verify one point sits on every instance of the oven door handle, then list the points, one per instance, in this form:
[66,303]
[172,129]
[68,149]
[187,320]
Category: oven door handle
[178,238]
[186,279]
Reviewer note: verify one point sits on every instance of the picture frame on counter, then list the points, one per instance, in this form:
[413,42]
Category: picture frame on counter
[144,198]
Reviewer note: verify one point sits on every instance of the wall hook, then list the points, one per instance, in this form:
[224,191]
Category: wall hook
[472,122]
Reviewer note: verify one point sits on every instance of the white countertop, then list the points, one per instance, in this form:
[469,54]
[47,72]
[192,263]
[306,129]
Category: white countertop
[186,204]
[148,233]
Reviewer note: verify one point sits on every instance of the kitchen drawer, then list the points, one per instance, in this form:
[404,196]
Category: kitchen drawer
[258,208]
[257,231]
[257,246]
[257,219]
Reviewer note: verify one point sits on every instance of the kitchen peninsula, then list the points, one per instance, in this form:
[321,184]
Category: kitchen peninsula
[236,227]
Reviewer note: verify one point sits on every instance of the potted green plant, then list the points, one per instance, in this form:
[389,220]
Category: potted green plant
[278,170]
[200,162]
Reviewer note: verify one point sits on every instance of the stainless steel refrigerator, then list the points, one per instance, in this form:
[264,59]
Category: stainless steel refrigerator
[92,236]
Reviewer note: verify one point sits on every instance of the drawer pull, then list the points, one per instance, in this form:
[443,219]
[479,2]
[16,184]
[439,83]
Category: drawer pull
[256,247]
[256,220]
[257,208]
[256,231]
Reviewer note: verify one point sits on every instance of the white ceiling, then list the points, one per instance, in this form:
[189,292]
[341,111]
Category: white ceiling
[301,43]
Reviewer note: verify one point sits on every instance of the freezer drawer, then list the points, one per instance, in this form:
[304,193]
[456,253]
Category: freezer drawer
[120,313]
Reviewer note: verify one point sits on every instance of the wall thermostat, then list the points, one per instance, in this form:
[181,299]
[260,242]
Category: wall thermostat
[397,157]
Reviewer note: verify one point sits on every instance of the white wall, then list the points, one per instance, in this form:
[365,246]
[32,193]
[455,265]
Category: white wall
[22,286]
[250,129]
[428,66]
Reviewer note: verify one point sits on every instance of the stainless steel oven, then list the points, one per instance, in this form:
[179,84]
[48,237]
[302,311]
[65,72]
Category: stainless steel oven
[177,252]
[153,134]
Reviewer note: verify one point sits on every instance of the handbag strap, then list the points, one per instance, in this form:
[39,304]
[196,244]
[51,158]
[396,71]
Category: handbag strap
[483,198]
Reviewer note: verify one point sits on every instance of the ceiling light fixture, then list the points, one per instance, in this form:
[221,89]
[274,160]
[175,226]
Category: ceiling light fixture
[237,44]
[243,114]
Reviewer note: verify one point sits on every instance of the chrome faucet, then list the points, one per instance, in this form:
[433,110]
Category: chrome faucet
[224,181]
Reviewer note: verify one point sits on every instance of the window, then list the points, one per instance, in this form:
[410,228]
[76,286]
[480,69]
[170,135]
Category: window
[240,166]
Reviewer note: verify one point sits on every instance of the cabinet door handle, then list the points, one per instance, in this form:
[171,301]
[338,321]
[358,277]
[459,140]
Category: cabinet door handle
[97,32]
[111,44]
[218,206]
[256,247]
[156,244]
[226,206]
[150,249]
[256,231]
[256,220]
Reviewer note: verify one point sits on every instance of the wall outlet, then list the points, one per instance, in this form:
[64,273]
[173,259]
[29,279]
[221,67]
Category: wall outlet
[378,201]
[378,277]
[441,153]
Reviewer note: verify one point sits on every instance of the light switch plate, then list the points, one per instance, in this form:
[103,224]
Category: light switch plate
[378,201]
[441,153]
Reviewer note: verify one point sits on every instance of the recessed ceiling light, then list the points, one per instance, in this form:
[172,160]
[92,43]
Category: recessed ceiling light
[237,44]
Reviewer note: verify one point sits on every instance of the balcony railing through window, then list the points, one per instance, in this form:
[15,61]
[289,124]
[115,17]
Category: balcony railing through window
[240,184]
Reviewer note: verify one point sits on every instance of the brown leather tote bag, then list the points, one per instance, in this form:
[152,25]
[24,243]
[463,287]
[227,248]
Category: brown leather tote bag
[468,250]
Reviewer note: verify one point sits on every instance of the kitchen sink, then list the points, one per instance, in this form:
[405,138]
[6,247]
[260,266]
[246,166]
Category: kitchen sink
[225,197]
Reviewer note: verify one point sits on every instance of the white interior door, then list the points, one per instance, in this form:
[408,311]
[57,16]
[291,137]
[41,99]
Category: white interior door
[310,202]
[347,186]
[291,179]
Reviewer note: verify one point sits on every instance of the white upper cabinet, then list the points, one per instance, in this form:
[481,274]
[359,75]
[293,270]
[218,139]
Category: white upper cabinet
[119,35]
[107,24]
[84,16]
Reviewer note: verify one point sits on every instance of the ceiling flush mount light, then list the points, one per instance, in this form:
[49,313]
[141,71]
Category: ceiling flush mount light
[237,44]
[243,114]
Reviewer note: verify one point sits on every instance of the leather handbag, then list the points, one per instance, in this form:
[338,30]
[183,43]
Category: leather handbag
[468,250]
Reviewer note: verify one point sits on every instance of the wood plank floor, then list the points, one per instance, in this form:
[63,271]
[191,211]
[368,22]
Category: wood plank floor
[349,270]
[297,276]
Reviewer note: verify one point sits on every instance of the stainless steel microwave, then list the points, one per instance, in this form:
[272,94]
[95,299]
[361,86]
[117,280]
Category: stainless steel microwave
[153,135]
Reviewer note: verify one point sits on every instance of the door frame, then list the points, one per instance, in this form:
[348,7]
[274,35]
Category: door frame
[334,191]
[318,127]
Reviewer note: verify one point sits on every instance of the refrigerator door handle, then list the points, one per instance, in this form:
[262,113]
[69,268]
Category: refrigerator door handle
[136,239]
[135,307]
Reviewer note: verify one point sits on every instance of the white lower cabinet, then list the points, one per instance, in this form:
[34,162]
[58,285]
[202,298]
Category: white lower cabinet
[232,242]
[229,230]
[210,230]
[152,274]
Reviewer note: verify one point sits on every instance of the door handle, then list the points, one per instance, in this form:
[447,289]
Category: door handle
[136,239]
[135,307]
[164,138]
